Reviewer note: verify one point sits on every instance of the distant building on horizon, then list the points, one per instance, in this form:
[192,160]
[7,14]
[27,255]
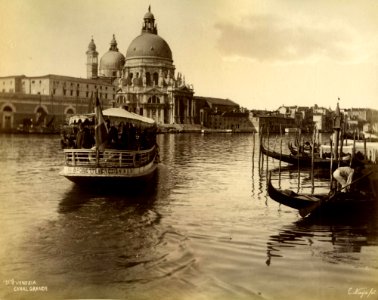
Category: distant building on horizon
[45,100]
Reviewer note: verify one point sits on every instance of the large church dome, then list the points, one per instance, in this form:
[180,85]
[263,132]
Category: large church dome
[149,45]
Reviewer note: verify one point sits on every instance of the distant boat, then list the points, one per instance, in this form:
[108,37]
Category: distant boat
[306,148]
[302,159]
[119,163]
[371,137]
[291,130]
[216,130]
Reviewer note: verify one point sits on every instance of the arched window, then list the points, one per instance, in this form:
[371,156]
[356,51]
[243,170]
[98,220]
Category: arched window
[148,78]
[40,116]
[7,108]
[70,111]
[40,110]
[156,78]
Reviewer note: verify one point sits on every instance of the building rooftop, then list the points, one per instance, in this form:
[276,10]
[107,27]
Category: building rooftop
[217,101]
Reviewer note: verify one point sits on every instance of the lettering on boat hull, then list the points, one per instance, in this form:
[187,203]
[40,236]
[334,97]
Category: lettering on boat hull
[108,172]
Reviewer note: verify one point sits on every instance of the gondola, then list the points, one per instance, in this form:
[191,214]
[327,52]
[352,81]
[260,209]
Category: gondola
[306,148]
[292,199]
[338,203]
[303,159]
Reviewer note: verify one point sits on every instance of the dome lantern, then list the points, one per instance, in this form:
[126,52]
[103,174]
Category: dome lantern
[113,44]
[149,22]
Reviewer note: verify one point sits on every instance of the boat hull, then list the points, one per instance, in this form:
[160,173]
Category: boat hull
[109,167]
[108,176]
[340,204]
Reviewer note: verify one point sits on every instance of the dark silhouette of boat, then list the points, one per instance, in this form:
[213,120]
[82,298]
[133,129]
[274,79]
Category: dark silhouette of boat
[303,159]
[306,148]
[351,202]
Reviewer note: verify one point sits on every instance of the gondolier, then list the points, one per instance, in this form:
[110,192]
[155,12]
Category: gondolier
[344,176]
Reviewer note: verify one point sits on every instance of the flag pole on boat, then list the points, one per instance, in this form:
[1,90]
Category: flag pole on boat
[101,130]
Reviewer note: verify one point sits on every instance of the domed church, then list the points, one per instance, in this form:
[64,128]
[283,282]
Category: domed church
[146,80]
[149,85]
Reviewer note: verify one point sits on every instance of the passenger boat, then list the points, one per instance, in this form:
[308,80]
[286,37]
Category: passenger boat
[303,160]
[133,158]
[325,203]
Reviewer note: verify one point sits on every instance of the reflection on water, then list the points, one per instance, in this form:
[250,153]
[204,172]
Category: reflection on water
[204,228]
[140,195]
[343,236]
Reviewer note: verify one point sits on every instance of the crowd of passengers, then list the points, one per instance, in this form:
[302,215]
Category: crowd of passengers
[121,136]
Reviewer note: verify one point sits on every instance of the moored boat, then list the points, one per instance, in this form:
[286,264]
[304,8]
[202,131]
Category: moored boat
[338,203]
[303,159]
[126,155]
[306,149]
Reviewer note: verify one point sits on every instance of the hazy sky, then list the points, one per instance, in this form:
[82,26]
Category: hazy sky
[260,54]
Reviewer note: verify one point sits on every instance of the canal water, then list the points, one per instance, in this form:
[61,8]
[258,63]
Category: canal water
[204,229]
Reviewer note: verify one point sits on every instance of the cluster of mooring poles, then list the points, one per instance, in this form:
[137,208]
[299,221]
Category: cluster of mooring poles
[336,149]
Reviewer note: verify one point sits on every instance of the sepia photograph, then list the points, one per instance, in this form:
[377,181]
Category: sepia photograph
[189,149]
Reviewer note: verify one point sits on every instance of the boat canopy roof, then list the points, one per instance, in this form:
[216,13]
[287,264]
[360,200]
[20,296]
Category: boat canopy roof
[115,114]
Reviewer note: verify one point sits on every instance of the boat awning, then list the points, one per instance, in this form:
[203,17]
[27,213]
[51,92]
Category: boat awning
[121,113]
[115,114]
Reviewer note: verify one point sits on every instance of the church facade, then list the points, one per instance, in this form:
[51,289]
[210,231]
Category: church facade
[146,79]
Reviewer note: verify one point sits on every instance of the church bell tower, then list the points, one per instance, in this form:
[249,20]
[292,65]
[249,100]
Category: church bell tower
[92,60]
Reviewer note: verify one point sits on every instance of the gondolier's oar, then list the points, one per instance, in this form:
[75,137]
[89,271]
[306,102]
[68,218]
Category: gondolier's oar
[307,210]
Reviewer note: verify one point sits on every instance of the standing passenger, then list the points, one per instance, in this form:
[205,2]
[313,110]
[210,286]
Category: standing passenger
[80,136]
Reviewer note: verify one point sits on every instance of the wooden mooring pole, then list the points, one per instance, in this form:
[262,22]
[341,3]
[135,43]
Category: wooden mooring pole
[279,164]
[312,160]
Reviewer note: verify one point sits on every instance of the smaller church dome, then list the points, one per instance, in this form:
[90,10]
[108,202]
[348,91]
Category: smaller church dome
[112,61]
